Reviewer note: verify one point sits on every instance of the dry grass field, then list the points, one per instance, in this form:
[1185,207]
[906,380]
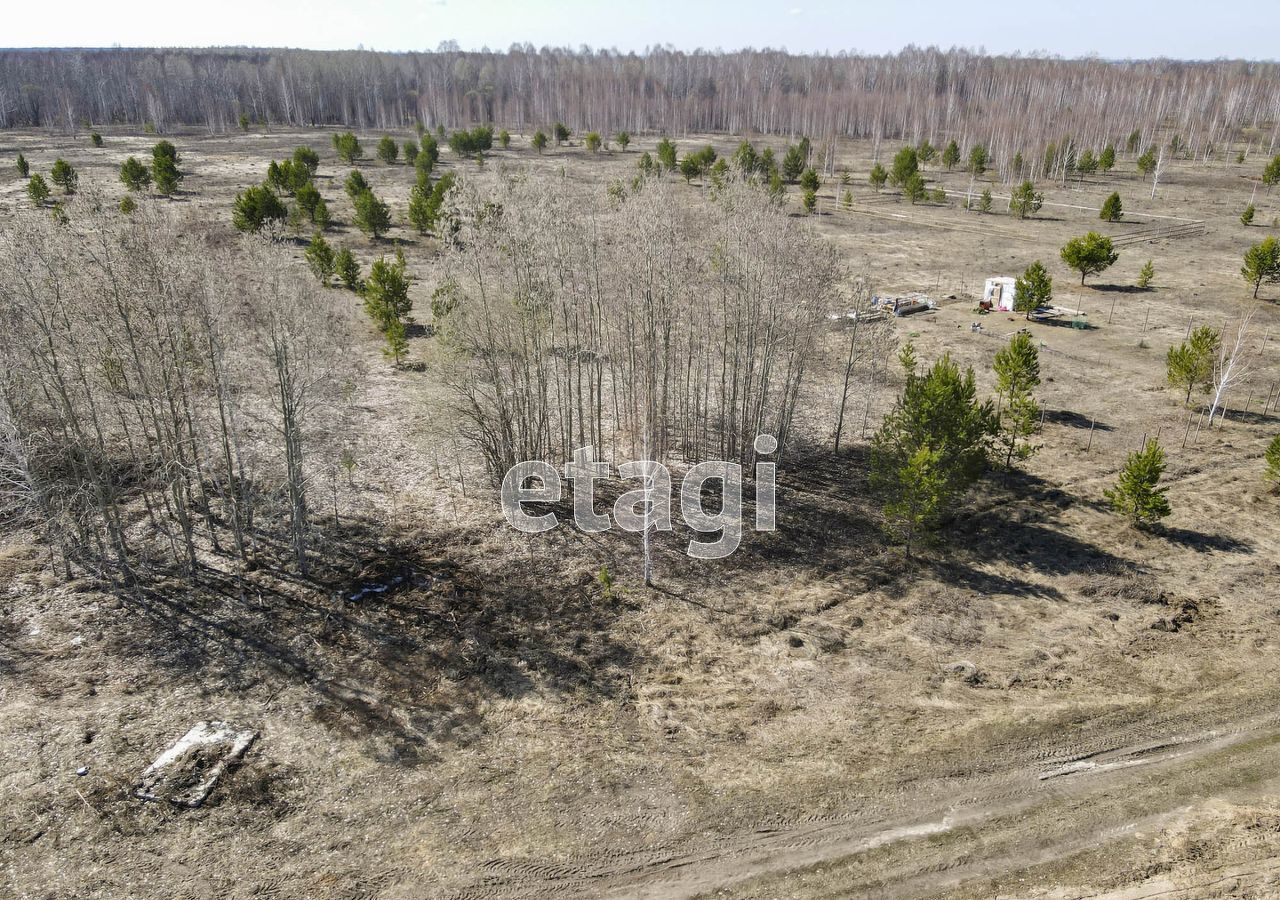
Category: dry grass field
[1048,703]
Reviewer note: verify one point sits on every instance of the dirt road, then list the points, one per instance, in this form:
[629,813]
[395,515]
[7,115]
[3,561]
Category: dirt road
[1004,810]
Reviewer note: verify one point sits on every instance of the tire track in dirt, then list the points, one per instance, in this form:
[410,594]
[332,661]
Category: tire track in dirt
[1033,771]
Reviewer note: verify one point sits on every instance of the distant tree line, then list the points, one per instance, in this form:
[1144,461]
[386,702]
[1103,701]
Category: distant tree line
[922,96]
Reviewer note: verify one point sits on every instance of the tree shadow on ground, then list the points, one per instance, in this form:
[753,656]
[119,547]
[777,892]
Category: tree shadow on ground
[1255,418]
[1065,322]
[829,520]
[402,645]
[1119,289]
[1204,543]
[399,644]
[1070,419]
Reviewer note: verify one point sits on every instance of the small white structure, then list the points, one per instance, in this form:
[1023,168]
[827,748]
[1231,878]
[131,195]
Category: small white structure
[999,292]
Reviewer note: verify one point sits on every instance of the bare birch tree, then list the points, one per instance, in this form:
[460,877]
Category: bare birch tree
[143,366]
[649,326]
[1232,364]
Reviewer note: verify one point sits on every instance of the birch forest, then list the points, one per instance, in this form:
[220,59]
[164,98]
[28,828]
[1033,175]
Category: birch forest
[1006,104]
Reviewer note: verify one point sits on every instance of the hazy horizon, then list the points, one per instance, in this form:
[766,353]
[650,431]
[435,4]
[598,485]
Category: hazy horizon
[453,46]
[1174,30]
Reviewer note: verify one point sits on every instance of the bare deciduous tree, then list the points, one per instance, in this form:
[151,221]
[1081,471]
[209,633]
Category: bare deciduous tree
[1232,364]
[144,364]
[672,329]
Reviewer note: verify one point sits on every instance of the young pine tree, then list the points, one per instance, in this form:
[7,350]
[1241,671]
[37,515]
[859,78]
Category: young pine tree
[905,165]
[1017,368]
[309,201]
[1271,173]
[347,269]
[719,172]
[167,150]
[1146,275]
[1033,289]
[793,162]
[37,189]
[1025,201]
[1190,364]
[914,188]
[1138,495]
[1017,365]
[1112,209]
[1107,159]
[1148,162]
[308,159]
[64,176]
[388,149]
[164,170]
[348,147]
[435,210]
[320,215]
[766,165]
[1087,164]
[134,174]
[1246,217]
[373,217]
[878,177]
[386,292]
[430,154]
[23,167]
[1272,460]
[666,153]
[916,495]
[951,156]
[420,210]
[1090,254]
[320,258]
[978,160]
[255,207]
[937,438]
[397,344]
[354,184]
[1262,264]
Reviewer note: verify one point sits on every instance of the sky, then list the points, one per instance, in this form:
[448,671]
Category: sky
[1187,29]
